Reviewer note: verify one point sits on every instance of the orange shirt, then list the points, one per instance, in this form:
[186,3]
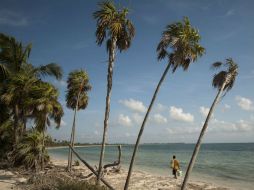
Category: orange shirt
[176,164]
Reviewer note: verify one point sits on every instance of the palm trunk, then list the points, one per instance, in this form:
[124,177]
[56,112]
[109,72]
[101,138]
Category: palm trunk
[107,110]
[43,150]
[23,129]
[16,123]
[143,126]
[24,126]
[72,136]
[198,144]
[43,145]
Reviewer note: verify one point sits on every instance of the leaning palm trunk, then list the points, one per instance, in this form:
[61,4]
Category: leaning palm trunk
[143,126]
[197,147]
[107,110]
[72,136]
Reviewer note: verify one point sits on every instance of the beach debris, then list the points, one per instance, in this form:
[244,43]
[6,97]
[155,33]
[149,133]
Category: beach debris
[90,168]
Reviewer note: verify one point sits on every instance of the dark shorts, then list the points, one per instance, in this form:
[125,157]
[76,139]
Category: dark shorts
[174,171]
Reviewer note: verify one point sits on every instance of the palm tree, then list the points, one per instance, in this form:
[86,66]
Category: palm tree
[223,81]
[45,107]
[76,98]
[183,41]
[113,26]
[15,92]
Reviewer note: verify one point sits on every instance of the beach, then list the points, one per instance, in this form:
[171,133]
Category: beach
[140,180]
[152,171]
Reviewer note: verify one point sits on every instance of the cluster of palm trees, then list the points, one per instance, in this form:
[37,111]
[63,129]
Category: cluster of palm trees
[179,45]
[26,99]
[24,96]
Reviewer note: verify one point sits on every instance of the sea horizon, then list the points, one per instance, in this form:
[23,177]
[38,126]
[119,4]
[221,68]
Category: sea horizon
[154,143]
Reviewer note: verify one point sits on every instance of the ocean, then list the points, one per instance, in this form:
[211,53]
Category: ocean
[224,164]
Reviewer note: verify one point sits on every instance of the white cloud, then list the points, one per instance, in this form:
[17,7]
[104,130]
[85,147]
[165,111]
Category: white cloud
[12,18]
[124,120]
[134,105]
[96,132]
[238,126]
[63,123]
[159,119]
[183,130]
[225,107]
[137,118]
[204,111]
[244,103]
[230,12]
[161,108]
[178,114]
[215,126]
[60,83]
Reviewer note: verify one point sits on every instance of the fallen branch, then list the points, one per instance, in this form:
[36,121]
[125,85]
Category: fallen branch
[90,168]
[87,176]
[116,163]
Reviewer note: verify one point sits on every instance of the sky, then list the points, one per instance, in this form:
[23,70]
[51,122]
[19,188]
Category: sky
[64,32]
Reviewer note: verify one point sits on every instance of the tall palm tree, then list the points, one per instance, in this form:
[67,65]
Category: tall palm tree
[183,41]
[45,108]
[113,26]
[76,99]
[223,81]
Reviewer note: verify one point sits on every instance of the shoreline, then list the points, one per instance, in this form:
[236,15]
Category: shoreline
[76,146]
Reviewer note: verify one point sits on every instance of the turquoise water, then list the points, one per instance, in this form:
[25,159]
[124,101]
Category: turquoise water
[229,165]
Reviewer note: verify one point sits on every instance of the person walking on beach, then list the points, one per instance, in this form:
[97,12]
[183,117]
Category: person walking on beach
[175,166]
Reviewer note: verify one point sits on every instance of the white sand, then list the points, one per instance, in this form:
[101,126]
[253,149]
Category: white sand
[139,181]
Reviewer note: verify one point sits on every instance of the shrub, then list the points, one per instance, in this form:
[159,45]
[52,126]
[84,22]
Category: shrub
[29,151]
[76,163]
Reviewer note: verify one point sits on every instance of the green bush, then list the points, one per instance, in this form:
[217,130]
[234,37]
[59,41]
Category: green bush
[76,163]
[6,138]
[28,152]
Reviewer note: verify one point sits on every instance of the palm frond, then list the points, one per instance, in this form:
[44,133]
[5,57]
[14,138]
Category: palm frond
[216,65]
[227,76]
[112,23]
[51,69]
[3,72]
[183,41]
[78,86]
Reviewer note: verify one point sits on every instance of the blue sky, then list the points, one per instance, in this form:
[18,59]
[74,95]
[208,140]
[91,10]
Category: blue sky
[63,32]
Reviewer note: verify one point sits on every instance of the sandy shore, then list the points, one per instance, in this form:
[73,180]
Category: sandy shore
[143,180]
[140,180]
